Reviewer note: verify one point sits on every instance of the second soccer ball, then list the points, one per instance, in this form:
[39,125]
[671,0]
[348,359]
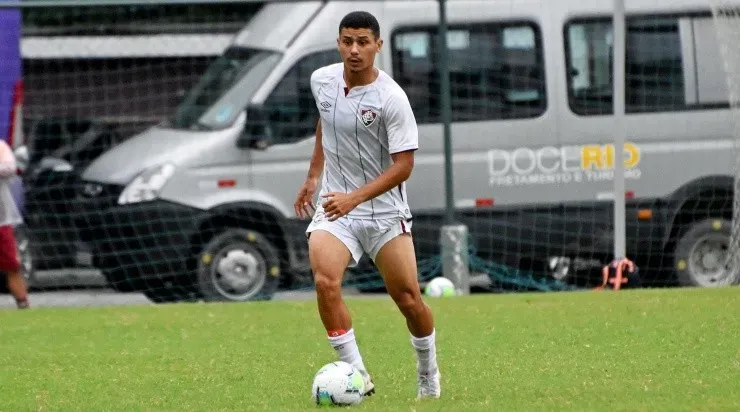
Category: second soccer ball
[440,287]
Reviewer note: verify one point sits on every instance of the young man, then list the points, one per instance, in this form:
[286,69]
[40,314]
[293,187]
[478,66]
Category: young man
[365,143]
[9,216]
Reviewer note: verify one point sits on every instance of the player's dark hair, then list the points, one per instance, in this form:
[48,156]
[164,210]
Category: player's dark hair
[360,20]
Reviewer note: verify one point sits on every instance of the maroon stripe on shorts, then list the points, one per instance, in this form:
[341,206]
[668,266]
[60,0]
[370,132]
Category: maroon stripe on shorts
[8,253]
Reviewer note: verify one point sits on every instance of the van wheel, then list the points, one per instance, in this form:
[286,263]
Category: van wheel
[238,265]
[701,252]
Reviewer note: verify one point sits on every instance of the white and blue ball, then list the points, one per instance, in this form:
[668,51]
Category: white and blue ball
[338,384]
[440,287]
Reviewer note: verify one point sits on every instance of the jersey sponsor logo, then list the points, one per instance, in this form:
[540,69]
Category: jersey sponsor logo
[368,116]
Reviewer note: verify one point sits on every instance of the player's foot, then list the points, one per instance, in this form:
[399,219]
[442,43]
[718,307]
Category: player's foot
[429,386]
[369,385]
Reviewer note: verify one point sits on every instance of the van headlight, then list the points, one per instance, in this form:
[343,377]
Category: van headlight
[147,185]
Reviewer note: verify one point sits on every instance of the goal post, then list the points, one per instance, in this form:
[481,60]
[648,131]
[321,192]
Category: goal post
[453,235]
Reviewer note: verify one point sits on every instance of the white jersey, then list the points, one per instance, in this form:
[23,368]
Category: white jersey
[361,128]
[9,214]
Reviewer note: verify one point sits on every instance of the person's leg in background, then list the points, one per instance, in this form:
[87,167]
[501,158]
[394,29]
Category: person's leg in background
[10,264]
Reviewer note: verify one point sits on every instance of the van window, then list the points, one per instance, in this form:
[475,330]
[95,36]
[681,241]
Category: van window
[216,86]
[656,76]
[496,71]
[290,108]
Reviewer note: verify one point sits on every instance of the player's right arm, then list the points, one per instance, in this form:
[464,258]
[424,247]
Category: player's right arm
[304,200]
[317,159]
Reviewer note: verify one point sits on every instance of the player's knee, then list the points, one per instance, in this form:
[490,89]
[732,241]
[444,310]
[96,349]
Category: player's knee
[408,302]
[327,286]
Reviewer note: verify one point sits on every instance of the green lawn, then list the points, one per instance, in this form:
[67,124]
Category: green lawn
[631,350]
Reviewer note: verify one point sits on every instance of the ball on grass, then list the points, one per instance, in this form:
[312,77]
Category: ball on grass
[440,287]
[338,384]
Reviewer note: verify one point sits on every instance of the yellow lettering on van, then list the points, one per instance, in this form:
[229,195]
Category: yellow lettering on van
[602,157]
[634,155]
[591,156]
[609,156]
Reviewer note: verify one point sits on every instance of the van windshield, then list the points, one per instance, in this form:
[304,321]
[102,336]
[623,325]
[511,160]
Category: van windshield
[212,101]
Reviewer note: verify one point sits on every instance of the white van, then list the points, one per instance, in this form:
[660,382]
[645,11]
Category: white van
[202,204]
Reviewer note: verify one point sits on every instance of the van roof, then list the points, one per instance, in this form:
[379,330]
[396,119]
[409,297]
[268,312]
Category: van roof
[280,23]
[277,24]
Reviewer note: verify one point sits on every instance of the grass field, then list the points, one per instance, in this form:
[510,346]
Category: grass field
[632,350]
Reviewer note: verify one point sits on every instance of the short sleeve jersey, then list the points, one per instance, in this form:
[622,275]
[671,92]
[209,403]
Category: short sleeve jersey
[361,128]
[9,213]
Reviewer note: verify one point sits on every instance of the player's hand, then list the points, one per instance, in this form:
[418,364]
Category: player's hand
[304,200]
[338,204]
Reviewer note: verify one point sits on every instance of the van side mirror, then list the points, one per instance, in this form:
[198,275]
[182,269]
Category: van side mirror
[257,133]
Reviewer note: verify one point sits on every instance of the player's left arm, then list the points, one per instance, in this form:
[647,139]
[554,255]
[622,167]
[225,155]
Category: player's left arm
[403,140]
[7,161]
[397,173]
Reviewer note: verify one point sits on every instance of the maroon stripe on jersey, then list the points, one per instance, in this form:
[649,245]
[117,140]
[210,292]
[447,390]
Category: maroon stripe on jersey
[400,190]
[403,227]
[359,153]
[336,139]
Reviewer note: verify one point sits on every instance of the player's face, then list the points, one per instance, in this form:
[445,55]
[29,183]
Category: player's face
[358,48]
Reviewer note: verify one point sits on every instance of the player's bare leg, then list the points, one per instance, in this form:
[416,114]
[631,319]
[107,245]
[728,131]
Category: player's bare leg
[396,262]
[329,259]
[17,287]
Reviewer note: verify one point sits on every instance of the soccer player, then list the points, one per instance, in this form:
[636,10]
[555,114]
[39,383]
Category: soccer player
[9,215]
[365,142]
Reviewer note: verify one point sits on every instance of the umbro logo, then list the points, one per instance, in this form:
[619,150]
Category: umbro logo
[368,116]
[325,106]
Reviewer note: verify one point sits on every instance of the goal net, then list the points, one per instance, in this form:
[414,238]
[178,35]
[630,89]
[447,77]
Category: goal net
[164,157]
[726,16]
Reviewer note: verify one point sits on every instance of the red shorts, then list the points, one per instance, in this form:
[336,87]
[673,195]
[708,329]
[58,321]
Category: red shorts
[8,250]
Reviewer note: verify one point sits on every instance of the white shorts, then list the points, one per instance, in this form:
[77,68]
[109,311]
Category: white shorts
[361,235]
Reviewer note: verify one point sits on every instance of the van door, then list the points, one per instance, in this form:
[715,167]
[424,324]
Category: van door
[676,122]
[290,112]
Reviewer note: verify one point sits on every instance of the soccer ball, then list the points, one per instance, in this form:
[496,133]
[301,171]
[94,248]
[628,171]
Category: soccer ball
[338,384]
[440,287]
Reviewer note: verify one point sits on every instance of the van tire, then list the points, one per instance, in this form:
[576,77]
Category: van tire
[698,249]
[238,265]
